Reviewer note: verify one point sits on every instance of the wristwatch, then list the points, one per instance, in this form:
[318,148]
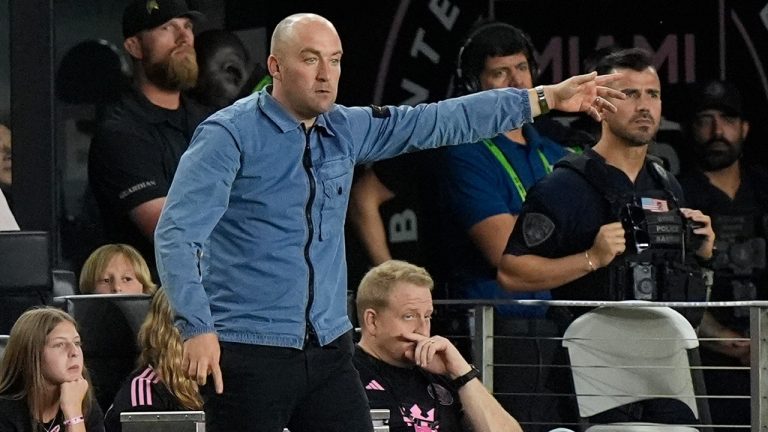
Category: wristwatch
[543,105]
[467,377]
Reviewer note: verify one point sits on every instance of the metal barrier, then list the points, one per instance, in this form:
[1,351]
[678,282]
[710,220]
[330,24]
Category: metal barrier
[380,418]
[481,314]
[194,421]
[161,421]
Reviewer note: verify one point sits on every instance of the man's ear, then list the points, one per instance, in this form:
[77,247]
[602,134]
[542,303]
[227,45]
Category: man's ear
[133,47]
[273,65]
[370,320]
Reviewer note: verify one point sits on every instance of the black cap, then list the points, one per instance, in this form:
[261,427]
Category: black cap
[147,14]
[719,95]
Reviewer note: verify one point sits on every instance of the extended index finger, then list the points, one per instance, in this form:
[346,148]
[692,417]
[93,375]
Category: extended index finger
[581,79]
[602,80]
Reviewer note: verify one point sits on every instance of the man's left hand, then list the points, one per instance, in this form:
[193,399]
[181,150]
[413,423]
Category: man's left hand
[705,230]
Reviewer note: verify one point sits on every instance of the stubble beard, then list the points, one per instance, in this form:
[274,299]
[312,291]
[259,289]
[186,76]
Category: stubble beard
[639,138]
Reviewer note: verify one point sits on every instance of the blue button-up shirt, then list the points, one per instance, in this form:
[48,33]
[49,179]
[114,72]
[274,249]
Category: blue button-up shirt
[250,242]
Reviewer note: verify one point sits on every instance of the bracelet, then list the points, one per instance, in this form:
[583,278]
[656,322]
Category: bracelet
[74,421]
[589,261]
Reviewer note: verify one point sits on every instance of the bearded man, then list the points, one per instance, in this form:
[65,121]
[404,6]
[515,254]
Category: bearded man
[137,146]
[734,193]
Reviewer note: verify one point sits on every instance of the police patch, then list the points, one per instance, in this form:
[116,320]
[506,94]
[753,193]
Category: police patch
[537,228]
[380,111]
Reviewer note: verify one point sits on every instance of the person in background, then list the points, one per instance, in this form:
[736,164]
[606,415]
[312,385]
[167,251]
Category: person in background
[116,269]
[7,221]
[44,385]
[224,72]
[160,382]
[139,139]
[482,188]
[569,237]
[250,244]
[421,379]
[393,214]
[734,193]
[6,174]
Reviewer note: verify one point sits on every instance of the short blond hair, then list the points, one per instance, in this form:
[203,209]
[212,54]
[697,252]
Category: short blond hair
[376,286]
[99,259]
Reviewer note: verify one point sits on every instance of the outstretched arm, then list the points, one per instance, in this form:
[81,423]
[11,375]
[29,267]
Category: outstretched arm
[482,411]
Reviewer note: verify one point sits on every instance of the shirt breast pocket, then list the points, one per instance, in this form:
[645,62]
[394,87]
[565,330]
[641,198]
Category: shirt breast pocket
[336,180]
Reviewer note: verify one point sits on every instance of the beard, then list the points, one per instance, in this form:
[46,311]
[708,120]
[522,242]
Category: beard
[637,138]
[176,72]
[714,157]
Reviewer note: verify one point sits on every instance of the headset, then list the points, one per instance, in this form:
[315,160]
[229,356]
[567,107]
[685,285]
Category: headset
[469,81]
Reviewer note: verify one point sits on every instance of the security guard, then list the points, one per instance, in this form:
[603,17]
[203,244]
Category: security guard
[569,234]
[732,191]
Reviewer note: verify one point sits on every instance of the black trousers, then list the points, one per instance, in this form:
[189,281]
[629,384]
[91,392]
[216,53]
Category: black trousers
[269,388]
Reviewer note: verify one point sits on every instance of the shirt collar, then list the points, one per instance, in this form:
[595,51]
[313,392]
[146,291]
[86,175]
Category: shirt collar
[284,120]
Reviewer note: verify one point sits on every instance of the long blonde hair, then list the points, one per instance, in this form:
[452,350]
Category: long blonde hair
[21,368]
[162,348]
[99,259]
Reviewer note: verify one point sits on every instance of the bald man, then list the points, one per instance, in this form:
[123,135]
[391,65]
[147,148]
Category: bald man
[250,244]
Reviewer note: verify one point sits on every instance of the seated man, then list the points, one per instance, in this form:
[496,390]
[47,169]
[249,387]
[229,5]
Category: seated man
[422,380]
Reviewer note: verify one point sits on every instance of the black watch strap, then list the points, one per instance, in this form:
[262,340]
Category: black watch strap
[467,377]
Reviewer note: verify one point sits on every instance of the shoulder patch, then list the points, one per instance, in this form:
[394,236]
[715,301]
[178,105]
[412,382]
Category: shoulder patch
[537,228]
[380,111]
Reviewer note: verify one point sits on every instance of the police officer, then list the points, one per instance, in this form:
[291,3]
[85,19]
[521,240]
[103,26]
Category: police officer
[569,233]
[733,193]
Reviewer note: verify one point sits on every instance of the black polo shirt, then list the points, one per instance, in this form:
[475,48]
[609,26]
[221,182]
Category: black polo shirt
[132,160]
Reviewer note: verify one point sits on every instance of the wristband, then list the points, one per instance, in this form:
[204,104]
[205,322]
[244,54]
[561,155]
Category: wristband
[589,261]
[467,377]
[543,105]
[74,421]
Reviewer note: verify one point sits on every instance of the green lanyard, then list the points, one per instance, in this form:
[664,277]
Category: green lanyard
[511,171]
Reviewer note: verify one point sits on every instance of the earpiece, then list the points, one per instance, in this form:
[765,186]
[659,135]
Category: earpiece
[467,80]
